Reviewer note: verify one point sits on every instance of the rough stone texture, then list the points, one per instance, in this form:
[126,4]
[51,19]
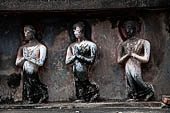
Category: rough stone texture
[105,72]
[65,5]
[91,110]
[71,105]
[159,55]
[8,47]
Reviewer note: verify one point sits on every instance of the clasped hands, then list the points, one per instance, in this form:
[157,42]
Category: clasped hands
[131,54]
[76,53]
[78,56]
[26,54]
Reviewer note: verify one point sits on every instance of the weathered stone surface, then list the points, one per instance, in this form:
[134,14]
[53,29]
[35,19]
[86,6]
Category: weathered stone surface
[106,72]
[65,5]
[67,105]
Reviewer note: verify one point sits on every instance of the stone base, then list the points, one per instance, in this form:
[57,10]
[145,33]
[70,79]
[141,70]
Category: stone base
[69,105]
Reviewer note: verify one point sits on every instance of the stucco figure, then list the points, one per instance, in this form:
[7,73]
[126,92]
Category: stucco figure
[31,56]
[133,52]
[81,54]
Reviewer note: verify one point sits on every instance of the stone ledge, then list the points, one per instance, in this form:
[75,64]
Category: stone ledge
[59,105]
[64,5]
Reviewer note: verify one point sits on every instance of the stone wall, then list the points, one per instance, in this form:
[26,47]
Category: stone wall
[53,30]
[58,5]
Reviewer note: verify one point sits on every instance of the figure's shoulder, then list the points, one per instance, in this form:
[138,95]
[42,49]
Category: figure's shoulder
[123,43]
[42,46]
[91,43]
[72,44]
[145,41]
[25,45]
[21,47]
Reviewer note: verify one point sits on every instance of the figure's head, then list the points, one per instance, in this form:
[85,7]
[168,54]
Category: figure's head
[78,30]
[130,28]
[29,32]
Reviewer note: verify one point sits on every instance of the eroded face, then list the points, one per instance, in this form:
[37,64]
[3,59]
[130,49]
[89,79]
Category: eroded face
[78,33]
[130,30]
[28,34]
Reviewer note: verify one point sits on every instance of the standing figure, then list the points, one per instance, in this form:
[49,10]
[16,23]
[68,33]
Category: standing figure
[132,53]
[30,57]
[81,54]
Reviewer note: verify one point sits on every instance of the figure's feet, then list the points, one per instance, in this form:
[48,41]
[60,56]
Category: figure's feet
[43,99]
[94,97]
[79,101]
[28,102]
[149,96]
[132,100]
